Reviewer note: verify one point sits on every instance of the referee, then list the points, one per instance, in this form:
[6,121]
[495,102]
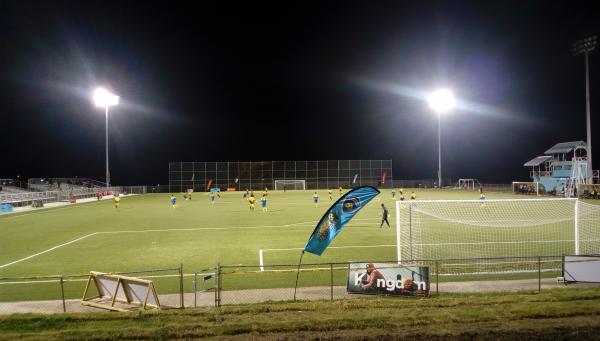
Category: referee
[384,217]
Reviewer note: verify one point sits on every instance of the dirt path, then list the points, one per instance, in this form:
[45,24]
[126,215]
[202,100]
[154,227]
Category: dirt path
[207,299]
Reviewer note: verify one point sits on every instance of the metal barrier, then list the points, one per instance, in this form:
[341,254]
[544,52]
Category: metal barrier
[244,284]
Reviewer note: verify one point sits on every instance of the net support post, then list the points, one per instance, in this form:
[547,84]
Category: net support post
[576,226]
[218,286]
[331,279]
[181,304]
[437,277]
[539,274]
[62,292]
[195,289]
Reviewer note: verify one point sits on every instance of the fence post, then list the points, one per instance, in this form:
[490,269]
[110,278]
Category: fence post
[195,288]
[539,274]
[218,286]
[331,278]
[181,286]
[437,277]
[62,291]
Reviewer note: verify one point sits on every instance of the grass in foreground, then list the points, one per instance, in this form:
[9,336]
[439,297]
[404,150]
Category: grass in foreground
[572,313]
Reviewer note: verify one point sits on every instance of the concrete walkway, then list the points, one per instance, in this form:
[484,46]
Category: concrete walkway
[207,299]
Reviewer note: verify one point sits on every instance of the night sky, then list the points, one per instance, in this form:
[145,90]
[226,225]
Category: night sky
[306,80]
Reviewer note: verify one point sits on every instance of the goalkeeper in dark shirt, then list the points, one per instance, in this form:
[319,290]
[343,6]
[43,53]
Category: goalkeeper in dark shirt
[384,216]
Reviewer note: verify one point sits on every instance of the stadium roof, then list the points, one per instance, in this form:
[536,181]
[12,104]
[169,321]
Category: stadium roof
[564,147]
[538,160]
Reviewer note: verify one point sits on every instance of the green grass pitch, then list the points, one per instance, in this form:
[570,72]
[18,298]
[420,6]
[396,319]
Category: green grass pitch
[145,232]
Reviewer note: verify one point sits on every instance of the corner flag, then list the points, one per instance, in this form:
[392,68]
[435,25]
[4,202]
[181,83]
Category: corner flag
[337,216]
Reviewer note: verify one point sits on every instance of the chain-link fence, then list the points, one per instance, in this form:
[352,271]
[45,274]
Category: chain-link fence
[256,175]
[225,285]
[63,293]
[229,285]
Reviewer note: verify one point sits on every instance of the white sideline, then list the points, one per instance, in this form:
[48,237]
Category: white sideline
[55,206]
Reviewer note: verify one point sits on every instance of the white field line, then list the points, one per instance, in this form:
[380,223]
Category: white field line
[261,251]
[45,210]
[45,251]
[85,279]
[58,208]
[146,231]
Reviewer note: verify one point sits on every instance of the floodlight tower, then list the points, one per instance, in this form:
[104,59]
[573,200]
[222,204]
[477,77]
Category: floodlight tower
[104,99]
[585,46]
[441,101]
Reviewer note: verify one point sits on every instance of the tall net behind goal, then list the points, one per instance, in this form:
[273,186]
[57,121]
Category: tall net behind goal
[451,229]
[281,185]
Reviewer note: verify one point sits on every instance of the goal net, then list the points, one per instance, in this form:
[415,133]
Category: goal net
[467,184]
[281,185]
[528,188]
[453,229]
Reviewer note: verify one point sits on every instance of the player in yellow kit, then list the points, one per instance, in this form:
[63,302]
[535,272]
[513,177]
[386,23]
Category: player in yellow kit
[251,201]
[329,192]
[117,200]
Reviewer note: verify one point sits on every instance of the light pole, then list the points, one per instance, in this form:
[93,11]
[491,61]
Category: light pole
[441,101]
[585,46]
[104,99]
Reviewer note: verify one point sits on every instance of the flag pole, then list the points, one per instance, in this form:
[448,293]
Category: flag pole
[298,274]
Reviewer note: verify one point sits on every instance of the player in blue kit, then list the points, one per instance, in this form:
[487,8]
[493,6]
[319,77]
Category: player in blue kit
[173,200]
[263,201]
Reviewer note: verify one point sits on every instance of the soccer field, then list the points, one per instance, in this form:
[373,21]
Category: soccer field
[145,232]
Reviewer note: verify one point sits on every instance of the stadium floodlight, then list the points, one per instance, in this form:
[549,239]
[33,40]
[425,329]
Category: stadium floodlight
[441,101]
[104,99]
[586,46]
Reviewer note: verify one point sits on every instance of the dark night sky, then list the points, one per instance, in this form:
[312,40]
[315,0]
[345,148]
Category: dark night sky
[294,81]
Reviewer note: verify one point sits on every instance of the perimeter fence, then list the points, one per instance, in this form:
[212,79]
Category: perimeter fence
[244,284]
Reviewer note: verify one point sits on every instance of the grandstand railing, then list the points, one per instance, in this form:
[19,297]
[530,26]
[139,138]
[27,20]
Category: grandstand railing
[27,198]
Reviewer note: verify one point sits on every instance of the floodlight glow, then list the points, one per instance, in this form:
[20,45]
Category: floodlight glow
[441,100]
[103,98]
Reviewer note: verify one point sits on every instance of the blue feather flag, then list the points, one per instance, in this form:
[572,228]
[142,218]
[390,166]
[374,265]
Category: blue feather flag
[337,216]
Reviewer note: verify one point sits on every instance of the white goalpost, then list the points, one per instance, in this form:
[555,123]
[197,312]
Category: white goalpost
[460,229]
[295,184]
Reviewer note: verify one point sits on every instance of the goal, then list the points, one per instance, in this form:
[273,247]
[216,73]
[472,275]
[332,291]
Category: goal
[458,229]
[528,188]
[469,184]
[280,185]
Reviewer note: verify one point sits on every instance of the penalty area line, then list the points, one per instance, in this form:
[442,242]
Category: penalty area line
[45,251]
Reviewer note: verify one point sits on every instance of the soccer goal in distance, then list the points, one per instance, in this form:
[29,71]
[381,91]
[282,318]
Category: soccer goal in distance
[528,188]
[459,229]
[281,185]
[468,184]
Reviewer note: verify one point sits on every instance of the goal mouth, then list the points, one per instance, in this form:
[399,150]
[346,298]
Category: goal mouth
[468,229]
